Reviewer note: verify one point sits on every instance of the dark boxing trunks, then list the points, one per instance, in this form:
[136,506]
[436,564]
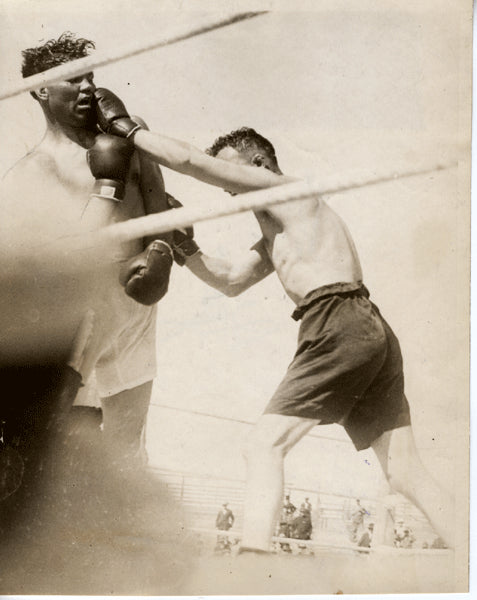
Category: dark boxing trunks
[348,366]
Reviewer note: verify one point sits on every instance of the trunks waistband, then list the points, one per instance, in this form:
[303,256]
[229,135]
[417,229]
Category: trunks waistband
[354,287]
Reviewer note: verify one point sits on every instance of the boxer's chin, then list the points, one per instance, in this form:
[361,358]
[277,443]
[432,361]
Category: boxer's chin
[87,120]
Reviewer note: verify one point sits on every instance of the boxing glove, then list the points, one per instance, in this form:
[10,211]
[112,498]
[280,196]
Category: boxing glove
[112,116]
[145,277]
[108,161]
[183,243]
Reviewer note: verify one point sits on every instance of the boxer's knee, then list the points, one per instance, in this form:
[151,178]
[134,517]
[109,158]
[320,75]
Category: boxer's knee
[274,436]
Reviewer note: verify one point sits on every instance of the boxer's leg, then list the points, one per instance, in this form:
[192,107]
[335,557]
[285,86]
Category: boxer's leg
[406,474]
[124,422]
[272,437]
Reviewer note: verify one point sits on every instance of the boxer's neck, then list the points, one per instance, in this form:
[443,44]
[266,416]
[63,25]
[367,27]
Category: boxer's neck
[57,134]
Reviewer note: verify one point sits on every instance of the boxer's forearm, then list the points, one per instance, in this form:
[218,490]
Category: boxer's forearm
[98,213]
[168,152]
[154,197]
[189,160]
[218,274]
[229,278]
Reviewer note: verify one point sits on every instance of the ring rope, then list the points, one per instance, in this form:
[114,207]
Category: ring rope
[77,67]
[256,200]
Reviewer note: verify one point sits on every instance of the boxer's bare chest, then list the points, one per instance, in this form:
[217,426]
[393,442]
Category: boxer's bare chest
[66,185]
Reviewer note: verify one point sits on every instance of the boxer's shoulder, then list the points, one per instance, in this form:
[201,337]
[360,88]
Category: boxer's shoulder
[26,170]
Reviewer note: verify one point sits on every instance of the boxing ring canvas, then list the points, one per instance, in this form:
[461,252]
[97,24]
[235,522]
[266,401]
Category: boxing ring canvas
[348,93]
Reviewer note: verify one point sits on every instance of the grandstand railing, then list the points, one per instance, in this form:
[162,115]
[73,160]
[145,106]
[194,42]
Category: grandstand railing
[201,496]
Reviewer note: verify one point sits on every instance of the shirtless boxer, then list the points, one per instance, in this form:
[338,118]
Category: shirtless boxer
[348,366]
[78,179]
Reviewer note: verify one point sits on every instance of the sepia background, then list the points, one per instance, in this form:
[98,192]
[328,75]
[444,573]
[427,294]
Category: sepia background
[338,87]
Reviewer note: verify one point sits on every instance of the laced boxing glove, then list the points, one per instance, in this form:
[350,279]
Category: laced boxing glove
[109,160]
[183,243]
[112,116]
[145,277]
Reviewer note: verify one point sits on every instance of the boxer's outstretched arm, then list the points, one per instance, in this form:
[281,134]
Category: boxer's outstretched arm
[178,155]
[189,160]
[232,278]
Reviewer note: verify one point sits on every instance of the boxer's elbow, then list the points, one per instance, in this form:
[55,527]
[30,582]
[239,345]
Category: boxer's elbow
[236,284]
[232,290]
[227,286]
[220,274]
[182,159]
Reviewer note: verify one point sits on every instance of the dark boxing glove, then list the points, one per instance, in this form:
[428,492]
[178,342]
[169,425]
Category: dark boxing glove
[108,161]
[112,115]
[183,243]
[145,277]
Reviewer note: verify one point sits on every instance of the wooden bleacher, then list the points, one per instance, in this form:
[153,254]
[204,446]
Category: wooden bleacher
[202,497]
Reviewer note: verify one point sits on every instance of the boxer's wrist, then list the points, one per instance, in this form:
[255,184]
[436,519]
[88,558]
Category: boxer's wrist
[108,189]
[162,247]
[185,250]
[125,128]
[109,160]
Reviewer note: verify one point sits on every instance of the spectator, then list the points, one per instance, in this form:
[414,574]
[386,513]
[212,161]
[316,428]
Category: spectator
[357,519]
[408,539]
[224,521]
[286,517]
[438,544]
[399,533]
[288,507]
[306,506]
[367,537]
[284,546]
[225,518]
[283,524]
[301,526]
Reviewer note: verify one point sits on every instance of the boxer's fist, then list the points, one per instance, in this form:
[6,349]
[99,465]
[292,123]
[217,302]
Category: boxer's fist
[145,277]
[108,161]
[112,115]
[183,243]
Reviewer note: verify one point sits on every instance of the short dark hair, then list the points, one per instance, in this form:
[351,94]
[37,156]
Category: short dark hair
[243,139]
[54,52]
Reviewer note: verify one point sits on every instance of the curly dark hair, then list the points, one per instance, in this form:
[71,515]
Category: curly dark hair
[243,139]
[54,52]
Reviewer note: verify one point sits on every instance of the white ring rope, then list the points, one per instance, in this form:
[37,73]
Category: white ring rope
[183,217]
[77,67]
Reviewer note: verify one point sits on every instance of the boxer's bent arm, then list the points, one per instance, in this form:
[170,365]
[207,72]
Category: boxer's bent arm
[151,184]
[232,278]
[153,194]
[97,213]
[189,160]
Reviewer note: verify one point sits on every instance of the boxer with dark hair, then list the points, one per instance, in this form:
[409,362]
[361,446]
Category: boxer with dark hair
[78,179]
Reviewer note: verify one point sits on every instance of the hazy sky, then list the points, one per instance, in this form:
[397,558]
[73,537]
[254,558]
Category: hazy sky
[338,91]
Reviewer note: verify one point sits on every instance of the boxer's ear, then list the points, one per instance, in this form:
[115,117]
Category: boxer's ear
[258,159]
[40,94]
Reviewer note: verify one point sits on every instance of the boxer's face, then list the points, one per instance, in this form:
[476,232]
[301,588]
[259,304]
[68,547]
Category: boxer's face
[70,101]
[251,157]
